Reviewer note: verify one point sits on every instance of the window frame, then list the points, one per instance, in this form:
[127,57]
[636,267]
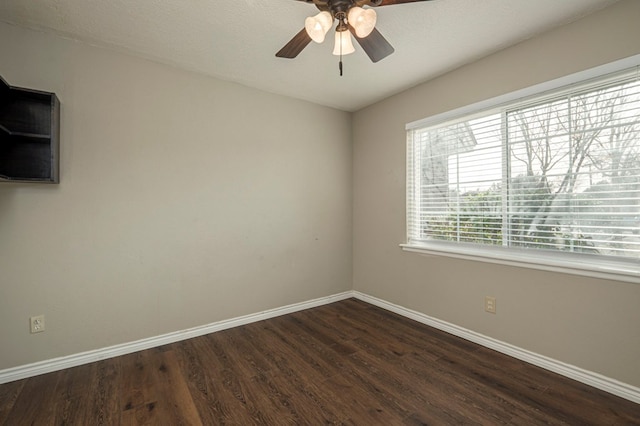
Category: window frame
[627,270]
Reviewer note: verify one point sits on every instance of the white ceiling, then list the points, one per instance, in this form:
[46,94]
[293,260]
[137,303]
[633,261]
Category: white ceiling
[236,40]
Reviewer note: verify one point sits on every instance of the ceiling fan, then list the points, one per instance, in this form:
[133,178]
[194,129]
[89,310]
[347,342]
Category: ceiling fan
[351,17]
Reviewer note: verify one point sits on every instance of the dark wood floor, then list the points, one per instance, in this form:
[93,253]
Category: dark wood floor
[344,363]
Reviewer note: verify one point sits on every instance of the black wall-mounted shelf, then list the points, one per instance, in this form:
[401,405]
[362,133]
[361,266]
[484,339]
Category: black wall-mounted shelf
[29,135]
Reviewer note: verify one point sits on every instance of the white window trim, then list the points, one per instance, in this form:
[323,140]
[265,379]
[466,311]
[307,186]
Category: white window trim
[568,263]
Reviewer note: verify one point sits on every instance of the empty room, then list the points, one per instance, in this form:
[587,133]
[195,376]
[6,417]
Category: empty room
[367,212]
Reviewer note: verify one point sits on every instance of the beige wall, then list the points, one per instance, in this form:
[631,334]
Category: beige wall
[183,200]
[590,323]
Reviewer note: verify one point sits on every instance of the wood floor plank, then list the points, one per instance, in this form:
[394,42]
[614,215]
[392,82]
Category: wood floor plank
[429,391]
[104,402]
[295,343]
[9,393]
[248,379]
[72,393]
[245,349]
[294,374]
[35,405]
[137,380]
[425,384]
[359,401]
[426,340]
[346,363]
[208,382]
[519,390]
[155,392]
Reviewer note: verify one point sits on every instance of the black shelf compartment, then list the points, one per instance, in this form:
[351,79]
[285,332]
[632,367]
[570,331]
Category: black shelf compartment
[29,135]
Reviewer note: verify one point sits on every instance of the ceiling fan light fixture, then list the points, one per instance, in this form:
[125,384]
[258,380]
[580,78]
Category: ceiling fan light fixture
[362,20]
[343,44]
[318,26]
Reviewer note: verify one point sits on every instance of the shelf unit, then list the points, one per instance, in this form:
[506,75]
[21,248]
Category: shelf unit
[29,135]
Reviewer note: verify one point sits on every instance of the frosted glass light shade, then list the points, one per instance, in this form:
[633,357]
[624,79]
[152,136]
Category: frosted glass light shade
[362,20]
[318,26]
[343,38]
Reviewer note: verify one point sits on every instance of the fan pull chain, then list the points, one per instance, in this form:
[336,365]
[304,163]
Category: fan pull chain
[340,63]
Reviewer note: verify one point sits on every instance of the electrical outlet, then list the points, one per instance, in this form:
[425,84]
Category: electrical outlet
[37,324]
[490,304]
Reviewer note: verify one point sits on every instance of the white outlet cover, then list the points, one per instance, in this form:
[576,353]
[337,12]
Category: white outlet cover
[37,324]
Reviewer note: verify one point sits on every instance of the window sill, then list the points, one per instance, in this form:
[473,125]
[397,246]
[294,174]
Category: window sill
[567,263]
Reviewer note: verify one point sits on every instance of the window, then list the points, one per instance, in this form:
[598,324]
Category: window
[549,181]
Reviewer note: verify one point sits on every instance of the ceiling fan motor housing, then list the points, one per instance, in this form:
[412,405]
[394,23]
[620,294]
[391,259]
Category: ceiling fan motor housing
[342,6]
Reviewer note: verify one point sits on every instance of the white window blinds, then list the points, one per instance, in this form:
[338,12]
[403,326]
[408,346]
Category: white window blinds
[559,173]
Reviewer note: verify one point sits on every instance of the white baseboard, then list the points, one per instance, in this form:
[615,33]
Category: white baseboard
[48,366]
[590,378]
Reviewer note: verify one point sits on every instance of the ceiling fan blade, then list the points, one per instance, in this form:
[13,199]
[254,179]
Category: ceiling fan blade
[295,45]
[392,2]
[375,45]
